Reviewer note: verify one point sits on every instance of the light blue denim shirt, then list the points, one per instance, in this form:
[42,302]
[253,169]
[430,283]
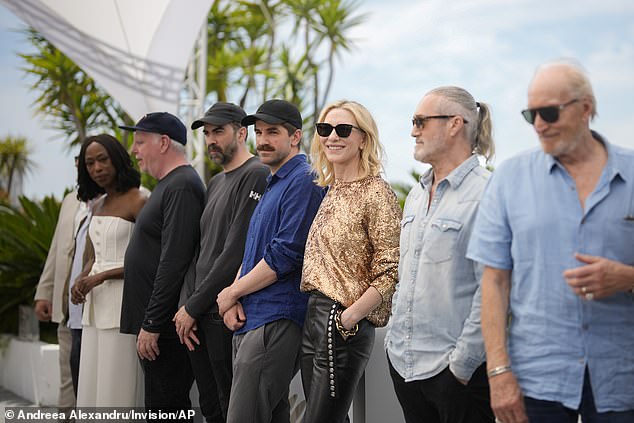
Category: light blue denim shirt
[531,221]
[436,308]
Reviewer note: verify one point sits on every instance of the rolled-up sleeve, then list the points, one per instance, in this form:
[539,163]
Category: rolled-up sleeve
[285,252]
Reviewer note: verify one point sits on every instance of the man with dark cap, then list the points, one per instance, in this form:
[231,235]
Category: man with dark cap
[264,304]
[231,198]
[161,248]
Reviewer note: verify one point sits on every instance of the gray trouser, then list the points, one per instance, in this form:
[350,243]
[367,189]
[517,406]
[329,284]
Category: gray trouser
[66,398]
[264,363]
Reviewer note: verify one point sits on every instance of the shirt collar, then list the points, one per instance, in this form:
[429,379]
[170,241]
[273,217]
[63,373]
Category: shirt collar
[288,167]
[613,166]
[456,176]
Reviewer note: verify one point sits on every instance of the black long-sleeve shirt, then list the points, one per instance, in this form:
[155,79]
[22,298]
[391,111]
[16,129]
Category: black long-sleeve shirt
[231,199]
[163,244]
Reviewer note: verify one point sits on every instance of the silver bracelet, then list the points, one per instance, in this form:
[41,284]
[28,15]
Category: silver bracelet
[498,370]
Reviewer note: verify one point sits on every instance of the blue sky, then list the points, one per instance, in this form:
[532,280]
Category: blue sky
[406,48]
[55,170]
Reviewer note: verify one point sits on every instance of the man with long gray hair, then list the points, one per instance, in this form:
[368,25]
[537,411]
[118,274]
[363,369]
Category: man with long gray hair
[434,344]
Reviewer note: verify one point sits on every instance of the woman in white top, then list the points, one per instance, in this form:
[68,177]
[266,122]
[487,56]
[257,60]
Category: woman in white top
[109,370]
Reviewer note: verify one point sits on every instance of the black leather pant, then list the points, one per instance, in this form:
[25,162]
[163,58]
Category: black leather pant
[331,366]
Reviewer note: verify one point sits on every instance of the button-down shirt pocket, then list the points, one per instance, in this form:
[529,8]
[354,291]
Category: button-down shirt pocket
[440,240]
[619,240]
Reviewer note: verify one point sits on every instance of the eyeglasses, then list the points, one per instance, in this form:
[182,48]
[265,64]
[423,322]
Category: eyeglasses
[419,121]
[549,114]
[343,129]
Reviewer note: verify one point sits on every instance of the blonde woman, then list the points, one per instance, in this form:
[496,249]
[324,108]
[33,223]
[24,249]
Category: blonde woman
[351,260]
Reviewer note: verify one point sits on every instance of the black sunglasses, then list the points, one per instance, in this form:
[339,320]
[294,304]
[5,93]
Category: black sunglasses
[419,121]
[549,114]
[343,129]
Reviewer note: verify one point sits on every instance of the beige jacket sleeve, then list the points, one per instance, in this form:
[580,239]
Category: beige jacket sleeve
[52,285]
[44,289]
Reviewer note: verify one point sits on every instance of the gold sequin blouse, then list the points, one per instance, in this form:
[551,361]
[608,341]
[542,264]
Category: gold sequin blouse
[353,244]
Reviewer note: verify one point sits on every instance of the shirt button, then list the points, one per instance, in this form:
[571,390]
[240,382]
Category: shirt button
[582,361]
[584,326]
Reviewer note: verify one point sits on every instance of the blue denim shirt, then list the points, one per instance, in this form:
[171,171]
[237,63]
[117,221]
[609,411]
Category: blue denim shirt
[531,221]
[277,232]
[436,309]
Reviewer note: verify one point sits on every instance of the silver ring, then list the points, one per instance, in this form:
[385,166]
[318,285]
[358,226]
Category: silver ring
[584,289]
[589,296]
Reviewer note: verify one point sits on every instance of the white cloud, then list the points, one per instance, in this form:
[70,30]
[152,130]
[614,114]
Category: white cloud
[491,48]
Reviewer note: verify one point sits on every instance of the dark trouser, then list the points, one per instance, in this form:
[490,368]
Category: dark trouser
[264,363]
[169,378]
[75,353]
[442,398]
[211,363]
[554,412]
[331,366]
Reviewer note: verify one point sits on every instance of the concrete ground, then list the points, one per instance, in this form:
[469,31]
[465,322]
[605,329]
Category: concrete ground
[9,399]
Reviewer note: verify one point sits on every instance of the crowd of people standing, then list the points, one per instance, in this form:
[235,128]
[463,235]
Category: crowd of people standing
[508,295]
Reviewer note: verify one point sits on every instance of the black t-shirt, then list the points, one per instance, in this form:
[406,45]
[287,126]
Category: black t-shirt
[162,246]
[231,199]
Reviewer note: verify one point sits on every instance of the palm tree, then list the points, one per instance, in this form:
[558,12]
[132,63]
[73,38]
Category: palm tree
[255,46]
[305,24]
[403,188]
[245,55]
[221,59]
[15,162]
[334,21]
[271,12]
[69,98]
[25,237]
[319,22]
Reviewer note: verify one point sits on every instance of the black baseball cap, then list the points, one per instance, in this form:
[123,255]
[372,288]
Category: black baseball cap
[275,112]
[220,113]
[162,123]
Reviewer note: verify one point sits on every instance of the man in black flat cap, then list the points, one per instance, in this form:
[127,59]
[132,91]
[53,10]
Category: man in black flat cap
[231,198]
[162,246]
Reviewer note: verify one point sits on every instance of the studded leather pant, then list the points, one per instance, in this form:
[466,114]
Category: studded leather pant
[331,366]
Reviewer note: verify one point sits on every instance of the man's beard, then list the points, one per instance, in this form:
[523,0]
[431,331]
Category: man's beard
[222,156]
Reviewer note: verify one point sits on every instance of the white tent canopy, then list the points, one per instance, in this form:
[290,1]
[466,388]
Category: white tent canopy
[136,50]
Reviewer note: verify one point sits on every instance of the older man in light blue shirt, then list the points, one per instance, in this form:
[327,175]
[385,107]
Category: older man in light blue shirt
[433,342]
[555,231]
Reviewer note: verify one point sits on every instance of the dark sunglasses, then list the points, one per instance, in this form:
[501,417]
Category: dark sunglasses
[343,129]
[419,121]
[549,114]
